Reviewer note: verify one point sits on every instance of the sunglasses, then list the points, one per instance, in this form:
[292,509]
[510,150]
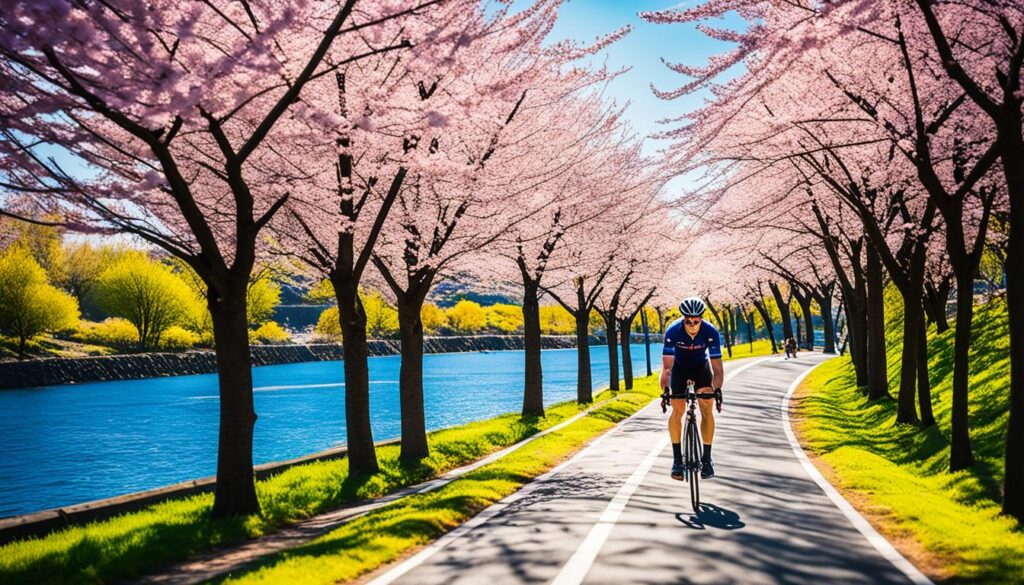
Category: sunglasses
[692,320]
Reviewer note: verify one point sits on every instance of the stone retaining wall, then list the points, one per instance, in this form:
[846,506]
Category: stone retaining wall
[53,371]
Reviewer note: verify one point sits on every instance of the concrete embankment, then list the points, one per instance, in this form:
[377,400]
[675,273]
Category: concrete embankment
[53,371]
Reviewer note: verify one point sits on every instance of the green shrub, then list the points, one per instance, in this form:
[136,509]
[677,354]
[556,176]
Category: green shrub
[433,318]
[504,318]
[269,332]
[29,305]
[178,338]
[147,293]
[328,324]
[466,317]
[555,320]
[114,332]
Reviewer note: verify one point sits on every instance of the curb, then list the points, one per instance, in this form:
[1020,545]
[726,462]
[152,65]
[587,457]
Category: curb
[881,544]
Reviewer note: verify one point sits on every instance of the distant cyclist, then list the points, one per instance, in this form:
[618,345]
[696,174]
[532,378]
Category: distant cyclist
[790,346]
[693,351]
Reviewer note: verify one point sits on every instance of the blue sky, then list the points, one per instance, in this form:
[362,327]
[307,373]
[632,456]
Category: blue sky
[643,50]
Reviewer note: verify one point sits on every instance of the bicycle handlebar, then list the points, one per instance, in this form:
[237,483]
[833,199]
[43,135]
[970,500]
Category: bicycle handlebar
[666,396]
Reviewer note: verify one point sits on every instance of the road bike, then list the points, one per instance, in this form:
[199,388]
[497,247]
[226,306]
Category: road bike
[692,445]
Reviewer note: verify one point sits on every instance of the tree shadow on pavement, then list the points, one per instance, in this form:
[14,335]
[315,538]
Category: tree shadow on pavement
[711,516]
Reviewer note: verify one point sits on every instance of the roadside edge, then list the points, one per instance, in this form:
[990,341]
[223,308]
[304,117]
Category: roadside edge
[879,542]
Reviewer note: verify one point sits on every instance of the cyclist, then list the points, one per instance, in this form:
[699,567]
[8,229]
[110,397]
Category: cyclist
[790,346]
[693,351]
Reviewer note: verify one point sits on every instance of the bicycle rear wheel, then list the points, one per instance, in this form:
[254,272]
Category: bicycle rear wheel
[692,462]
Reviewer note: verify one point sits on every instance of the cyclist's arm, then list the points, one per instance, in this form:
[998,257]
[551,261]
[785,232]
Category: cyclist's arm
[666,369]
[668,353]
[717,373]
[715,356]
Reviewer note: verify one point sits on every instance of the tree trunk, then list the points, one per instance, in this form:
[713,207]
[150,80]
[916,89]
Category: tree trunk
[787,325]
[856,325]
[362,457]
[961,454]
[613,354]
[805,308]
[906,411]
[1013,168]
[924,387]
[647,339]
[878,380]
[732,330]
[769,329]
[625,325]
[533,388]
[235,493]
[584,382]
[410,379]
[827,325]
[750,330]
[935,306]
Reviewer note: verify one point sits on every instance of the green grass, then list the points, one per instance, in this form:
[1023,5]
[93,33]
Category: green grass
[743,350]
[384,535]
[133,543]
[137,542]
[899,475]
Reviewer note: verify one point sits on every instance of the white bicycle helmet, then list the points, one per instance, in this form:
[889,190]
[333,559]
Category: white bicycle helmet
[692,307]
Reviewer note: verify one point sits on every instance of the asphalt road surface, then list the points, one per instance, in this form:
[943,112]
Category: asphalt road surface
[613,515]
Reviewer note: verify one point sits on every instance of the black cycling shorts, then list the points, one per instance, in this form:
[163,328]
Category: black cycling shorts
[701,376]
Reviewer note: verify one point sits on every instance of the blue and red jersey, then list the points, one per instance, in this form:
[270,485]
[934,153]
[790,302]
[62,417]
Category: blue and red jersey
[690,352]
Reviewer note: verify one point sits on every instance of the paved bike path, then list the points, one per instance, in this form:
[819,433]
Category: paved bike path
[616,515]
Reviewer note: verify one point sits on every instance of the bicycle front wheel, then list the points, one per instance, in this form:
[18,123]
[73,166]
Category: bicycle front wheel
[693,453]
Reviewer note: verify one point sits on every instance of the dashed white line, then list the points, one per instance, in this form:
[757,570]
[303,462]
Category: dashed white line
[579,564]
[604,524]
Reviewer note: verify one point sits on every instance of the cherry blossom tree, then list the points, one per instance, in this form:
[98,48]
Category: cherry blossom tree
[380,120]
[893,62]
[168,120]
[471,180]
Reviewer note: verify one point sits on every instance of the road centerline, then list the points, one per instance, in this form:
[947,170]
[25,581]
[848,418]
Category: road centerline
[579,564]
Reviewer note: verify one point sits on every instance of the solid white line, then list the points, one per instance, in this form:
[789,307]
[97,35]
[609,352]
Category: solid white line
[430,550]
[878,541]
[735,373]
[579,564]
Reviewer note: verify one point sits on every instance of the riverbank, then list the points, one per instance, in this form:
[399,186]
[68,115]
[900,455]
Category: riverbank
[56,371]
[947,524]
[131,544]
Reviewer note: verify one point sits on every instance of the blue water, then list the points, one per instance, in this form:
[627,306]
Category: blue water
[63,445]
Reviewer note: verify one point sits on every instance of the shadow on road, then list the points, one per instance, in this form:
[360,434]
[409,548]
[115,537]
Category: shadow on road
[711,516]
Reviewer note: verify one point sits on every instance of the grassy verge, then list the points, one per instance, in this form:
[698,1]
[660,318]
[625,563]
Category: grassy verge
[132,543]
[948,524]
[744,350]
[385,535]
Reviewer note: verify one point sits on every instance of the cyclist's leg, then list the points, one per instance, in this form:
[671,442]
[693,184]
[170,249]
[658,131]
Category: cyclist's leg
[675,420]
[707,409]
[677,385]
[707,416]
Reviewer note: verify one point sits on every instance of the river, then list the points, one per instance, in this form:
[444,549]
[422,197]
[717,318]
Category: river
[63,445]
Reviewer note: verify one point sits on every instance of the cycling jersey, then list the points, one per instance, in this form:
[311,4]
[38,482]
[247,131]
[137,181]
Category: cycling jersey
[691,352]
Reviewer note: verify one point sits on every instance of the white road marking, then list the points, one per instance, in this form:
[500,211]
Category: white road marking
[736,372]
[396,572]
[878,541]
[576,569]
[579,564]
[430,550]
